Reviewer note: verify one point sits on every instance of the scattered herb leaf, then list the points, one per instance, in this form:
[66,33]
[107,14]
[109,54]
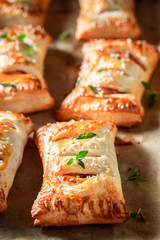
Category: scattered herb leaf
[95,90]
[67,33]
[81,163]
[7,35]
[88,135]
[29,52]
[132,175]
[21,37]
[70,161]
[79,157]
[137,214]
[28,48]
[4,35]
[147,86]
[100,70]
[81,154]
[8,85]
[152,97]
[82,136]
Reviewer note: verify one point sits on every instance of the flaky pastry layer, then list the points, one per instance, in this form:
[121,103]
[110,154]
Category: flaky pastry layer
[22,53]
[109,86]
[71,194]
[14,132]
[22,12]
[107,19]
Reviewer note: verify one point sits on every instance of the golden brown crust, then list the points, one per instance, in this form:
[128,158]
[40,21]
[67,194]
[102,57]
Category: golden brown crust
[22,86]
[14,132]
[107,19]
[23,12]
[70,194]
[24,93]
[110,82]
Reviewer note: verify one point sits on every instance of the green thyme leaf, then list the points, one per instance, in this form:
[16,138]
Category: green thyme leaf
[93,89]
[137,214]
[81,163]
[4,35]
[70,161]
[28,48]
[147,86]
[90,135]
[7,35]
[79,158]
[29,52]
[132,175]
[8,85]
[152,97]
[133,215]
[100,70]
[67,33]
[84,136]
[21,37]
[81,154]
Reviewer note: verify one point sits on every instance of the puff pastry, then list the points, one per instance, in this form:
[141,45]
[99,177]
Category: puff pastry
[22,53]
[107,19]
[71,194]
[110,79]
[15,12]
[14,131]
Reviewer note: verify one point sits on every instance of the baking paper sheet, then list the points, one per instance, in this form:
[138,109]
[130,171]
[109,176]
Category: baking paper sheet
[61,69]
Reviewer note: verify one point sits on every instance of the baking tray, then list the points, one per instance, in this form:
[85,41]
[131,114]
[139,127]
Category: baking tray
[141,149]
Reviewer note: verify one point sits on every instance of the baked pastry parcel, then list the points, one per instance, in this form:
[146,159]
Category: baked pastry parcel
[23,12]
[109,86]
[107,19]
[22,86]
[81,183]
[14,131]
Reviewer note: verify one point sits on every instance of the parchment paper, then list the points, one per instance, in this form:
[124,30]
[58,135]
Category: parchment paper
[62,65]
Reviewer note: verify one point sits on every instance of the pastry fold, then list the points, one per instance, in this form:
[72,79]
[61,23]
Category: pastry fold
[23,12]
[72,194]
[22,53]
[107,19]
[109,86]
[14,132]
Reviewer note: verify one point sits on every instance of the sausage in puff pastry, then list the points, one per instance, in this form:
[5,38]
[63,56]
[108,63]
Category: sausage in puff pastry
[23,12]
[81,182]
[22,53]
[14,131]
[107,19]
[110,79]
